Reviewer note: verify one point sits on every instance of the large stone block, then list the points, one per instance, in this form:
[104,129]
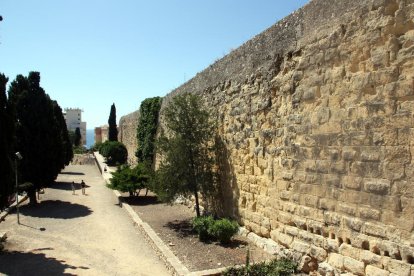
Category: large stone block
[354,266]
[375,271]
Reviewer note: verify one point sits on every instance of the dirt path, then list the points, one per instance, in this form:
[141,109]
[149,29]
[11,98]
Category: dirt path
[76,234]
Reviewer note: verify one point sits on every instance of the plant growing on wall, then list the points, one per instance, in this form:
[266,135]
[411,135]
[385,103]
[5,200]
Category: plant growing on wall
[147,129]
[186,167]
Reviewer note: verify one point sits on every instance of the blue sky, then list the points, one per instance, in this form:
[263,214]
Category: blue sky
[91,53]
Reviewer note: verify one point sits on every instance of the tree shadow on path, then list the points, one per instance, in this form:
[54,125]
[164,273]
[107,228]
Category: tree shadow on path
[32,263]
[141,200]
[66,186]
[73,173]
[56,209]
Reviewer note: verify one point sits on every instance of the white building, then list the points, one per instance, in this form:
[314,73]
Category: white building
[73,118]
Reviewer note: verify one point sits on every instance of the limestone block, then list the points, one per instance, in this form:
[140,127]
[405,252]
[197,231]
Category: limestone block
[369,213]
[318,253]
[300,247]
[375,271]
[352,182]
[349,251]
[336,260]
[272,247]
[354,266]
[325,269]
[331,245]
[291,230]
[377,186]
[373,230]
[397,267]
[370,258]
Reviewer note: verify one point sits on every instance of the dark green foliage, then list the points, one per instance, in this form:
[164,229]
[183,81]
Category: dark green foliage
[283,267]
[38,133]
[202,226]
[186,167]
[147,129]
[6,146]
[79,150]
[66,145]
[78,137]
[113,130]
[114,152]
[209,228]
[96,147]
[127,179]
[223,230]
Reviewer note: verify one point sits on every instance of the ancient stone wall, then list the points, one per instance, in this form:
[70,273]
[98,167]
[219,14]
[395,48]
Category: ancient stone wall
[316,124]
[127,134]
[315,119]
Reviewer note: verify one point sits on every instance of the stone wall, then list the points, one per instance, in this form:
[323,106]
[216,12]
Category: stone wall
[127,134]
[315,116]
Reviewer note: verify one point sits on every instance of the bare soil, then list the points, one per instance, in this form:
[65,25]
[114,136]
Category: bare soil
[172,223]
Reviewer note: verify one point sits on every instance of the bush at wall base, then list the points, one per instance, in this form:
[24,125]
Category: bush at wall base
[283,267]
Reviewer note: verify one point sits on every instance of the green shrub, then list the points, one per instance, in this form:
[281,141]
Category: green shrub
[283,267]
[115,152]
[79,150]
[202,226]
[96,147]
[224,229]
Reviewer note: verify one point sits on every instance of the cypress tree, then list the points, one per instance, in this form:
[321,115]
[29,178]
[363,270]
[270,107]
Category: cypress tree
[112,131]
[6,146]
[78,137]
[38,133]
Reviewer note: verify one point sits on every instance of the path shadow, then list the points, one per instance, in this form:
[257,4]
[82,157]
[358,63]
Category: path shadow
[33,263]
[73,173]
[56,209]
[65,185]
[183,228]
[141,200]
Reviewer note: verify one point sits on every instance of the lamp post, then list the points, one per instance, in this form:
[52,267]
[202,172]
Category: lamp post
[18,157]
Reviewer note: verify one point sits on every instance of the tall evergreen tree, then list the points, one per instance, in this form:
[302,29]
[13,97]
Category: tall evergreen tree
[78,137]
[113,130]
[38,134]
[67,151]
[6,146]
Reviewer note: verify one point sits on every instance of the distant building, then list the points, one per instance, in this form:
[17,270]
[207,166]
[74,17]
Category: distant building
[101,134]
[73,118]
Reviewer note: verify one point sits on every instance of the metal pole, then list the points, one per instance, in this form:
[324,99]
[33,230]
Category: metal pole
[17,194]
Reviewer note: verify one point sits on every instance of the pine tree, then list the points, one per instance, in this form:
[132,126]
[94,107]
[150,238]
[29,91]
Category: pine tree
[113,131]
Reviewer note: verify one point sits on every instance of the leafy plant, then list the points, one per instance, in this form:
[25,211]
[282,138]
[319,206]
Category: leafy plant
[115,152]
[187,165]
[202,226]
[283,267]
[224,229]
[127,179]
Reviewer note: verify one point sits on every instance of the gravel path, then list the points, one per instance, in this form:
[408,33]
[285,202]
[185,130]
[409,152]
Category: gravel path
[76,234]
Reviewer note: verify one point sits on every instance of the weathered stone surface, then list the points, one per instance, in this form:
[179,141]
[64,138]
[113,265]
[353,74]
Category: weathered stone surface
[315,119]
[375,271]
[128,134]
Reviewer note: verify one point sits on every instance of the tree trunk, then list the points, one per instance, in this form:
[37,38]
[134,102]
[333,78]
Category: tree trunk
[197,203]
[146,191]
[32,196]
[131,193]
